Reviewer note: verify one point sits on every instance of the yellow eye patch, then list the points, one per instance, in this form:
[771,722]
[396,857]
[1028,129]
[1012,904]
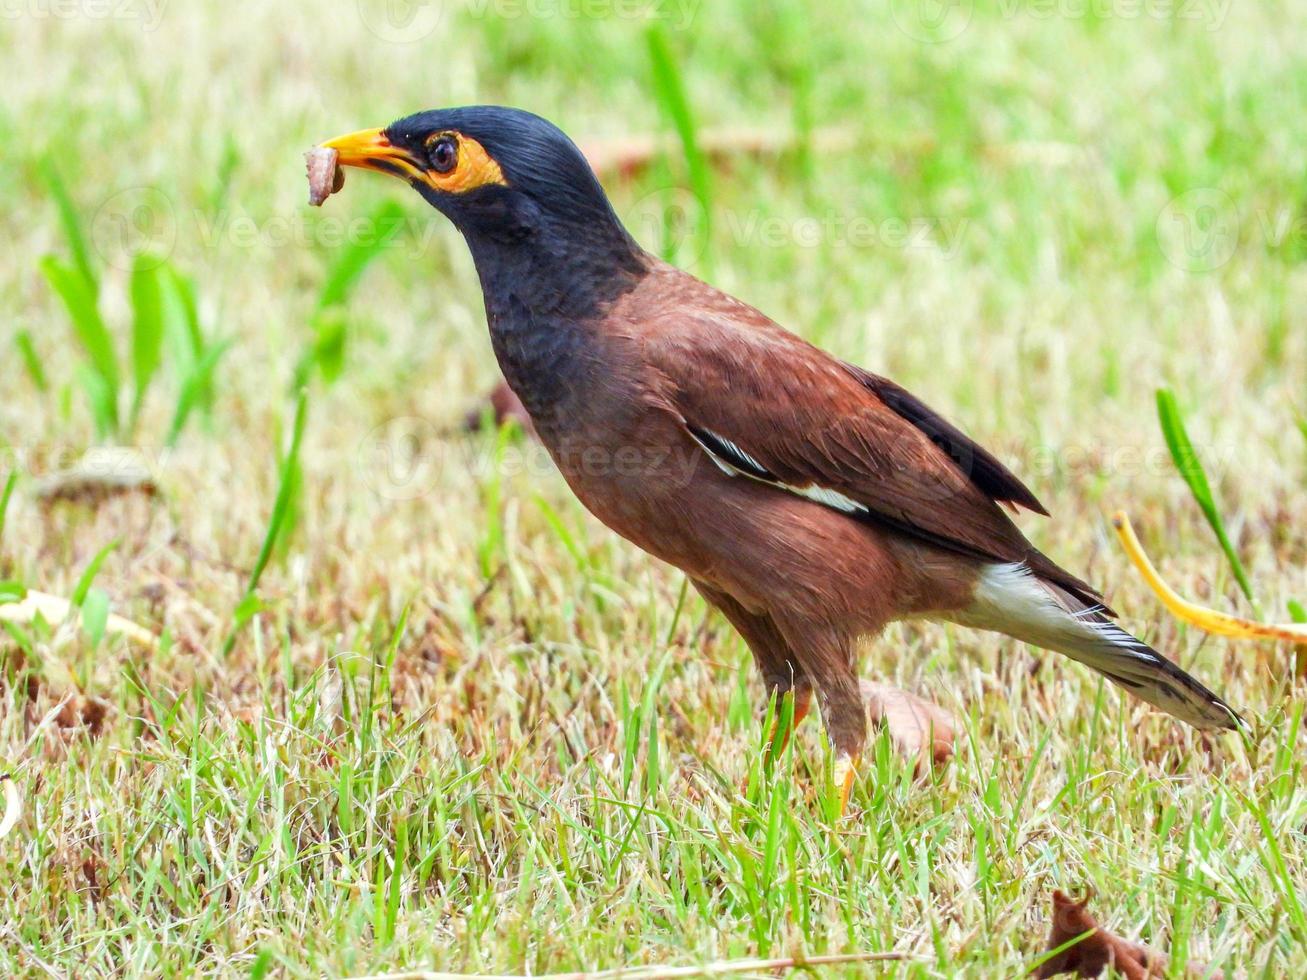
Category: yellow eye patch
[474,168]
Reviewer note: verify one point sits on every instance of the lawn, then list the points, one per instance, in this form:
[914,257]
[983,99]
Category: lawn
[412,708]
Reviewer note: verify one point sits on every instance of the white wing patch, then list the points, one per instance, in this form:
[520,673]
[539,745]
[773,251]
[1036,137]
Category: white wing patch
[827,496]
[731,460]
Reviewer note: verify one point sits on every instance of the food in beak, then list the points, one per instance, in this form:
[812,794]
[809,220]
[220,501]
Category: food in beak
[325,175]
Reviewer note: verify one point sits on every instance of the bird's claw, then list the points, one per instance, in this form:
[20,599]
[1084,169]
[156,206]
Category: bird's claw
[846,769]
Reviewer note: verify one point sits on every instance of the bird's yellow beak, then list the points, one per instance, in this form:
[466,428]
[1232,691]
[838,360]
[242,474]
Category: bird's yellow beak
[371,150]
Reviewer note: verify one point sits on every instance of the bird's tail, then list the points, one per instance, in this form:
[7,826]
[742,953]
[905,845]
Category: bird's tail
[1010,599]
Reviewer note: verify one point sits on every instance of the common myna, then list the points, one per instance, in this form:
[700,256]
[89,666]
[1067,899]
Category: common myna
[811,501]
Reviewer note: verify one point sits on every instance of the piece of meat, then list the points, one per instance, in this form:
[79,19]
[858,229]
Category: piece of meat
[325,175]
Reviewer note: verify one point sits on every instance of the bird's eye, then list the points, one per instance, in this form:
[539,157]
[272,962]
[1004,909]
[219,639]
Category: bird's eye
[444,154]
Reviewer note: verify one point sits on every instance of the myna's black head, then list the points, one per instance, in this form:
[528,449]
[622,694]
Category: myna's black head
[532,210]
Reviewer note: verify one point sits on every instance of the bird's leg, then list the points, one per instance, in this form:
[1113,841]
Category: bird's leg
[780,667]
[781,732]
[827,658]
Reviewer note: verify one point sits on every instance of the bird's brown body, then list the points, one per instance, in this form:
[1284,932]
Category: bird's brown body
[811,501]
[802,582]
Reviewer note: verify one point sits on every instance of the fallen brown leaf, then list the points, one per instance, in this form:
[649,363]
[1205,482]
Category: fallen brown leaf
[1101,948]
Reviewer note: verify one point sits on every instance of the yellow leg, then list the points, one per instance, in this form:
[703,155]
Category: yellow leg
[846,769]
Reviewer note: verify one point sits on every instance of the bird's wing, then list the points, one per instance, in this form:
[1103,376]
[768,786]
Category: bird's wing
[767,405]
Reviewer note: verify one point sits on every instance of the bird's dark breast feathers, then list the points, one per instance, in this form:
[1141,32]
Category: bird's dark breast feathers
[545,304]
[549,365]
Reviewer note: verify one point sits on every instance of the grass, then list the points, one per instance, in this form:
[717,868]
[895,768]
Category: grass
[1190,465]
[468,729]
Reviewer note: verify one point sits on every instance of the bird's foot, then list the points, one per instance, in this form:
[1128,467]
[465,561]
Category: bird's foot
[919,730]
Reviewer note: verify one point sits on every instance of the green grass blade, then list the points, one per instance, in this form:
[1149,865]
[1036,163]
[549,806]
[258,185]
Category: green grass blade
[147,327]
[79,299]
[669,88]
[182,309]
[396,881]
[327,352]
[5,496]
[31,360]
[357,255]
[1299,615]
[289,476]
[95,617]
[191,351]
[88,574]
[262,965]
[72,226]
[287,481]
[1191,469]
[197,383]
[99,396]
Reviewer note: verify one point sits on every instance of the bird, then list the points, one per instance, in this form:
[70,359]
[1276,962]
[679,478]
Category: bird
[811,501]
